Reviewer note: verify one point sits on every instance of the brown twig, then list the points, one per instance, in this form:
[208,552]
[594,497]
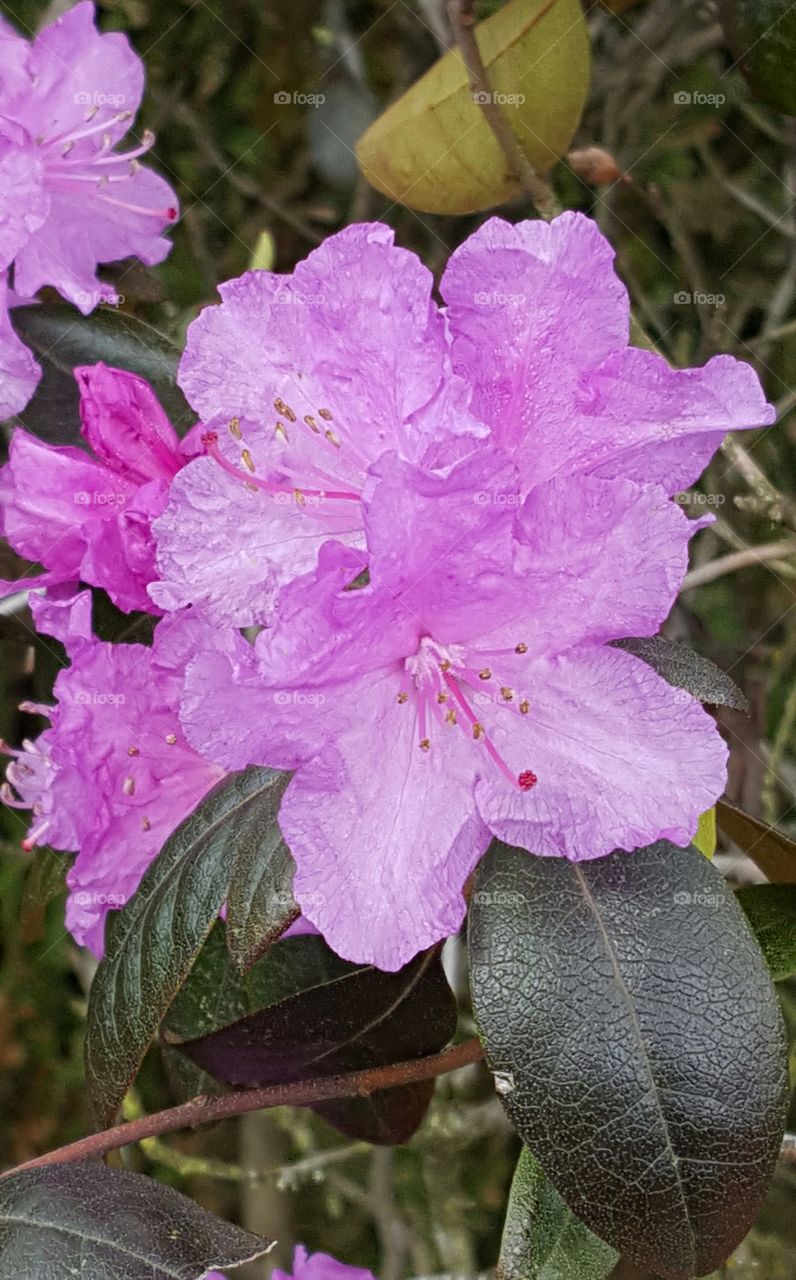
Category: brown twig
[463,24]
[746,559]
[203,1110]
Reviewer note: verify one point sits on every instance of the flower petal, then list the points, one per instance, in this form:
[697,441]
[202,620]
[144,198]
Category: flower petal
[380,868]
[289,340]
[125,425]
[622,758]
[19,372]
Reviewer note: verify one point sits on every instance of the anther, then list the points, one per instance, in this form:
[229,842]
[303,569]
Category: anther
[332,438]
[284,409]
[281,430]
[146,825]
[128,786]
[450,718]
[312,424]
[133,751]
[247,460]
[506,693]
[234,429]
[442,697]
[171,739]
[425,744]
[521,647]
[525,707]
[486,674]
[326,414]
[402,697]
[478,731]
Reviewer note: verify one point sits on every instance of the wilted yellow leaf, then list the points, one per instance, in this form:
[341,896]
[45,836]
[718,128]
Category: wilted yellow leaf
[433,150]
[705,838]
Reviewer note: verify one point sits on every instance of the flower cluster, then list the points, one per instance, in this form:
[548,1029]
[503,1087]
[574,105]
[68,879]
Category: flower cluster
[69,197]
[391,560]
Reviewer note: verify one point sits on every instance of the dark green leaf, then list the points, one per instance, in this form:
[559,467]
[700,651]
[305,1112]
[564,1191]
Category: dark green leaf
[215,993]
[542,1238]
[87,1220]
[771,850]
[153,942]
[636,1042]
[680,666]
[260,905]
[762,37]
[771,912]
[342,1021]
[62,339]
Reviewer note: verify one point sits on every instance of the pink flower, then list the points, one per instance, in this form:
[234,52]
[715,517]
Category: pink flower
[89,518]
[69,199]
[113,774]
[320,1266]
[464,688]
[304,381]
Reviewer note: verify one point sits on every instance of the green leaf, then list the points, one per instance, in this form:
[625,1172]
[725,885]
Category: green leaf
[542,1238]
[154,940]
[771,912]
[216,993]
[680,666]
[87,1220]
[341,1018]
[636,1042]
[762,37]
[260,904]
[771,850]
[433,150]
[62,339]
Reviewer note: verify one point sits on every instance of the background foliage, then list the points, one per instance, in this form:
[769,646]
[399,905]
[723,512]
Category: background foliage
[705,209]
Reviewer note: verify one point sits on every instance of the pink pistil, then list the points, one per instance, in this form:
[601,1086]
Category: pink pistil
[210,442]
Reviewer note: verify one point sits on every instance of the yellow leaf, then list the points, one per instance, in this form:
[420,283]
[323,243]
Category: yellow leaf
[264,254]
[433,150]
[705,838]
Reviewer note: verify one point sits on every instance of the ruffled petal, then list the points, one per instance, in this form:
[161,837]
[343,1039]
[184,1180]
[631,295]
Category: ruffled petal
[19,372]
[621,758]
[25,204]
[226,549]
[125,425]
[279,349]
[380,868]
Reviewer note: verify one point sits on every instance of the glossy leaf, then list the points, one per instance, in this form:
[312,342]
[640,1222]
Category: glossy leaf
[87,1220]
[771,912]
[636,1042]
[542,1238]
[681,667]
[771,850]
[154,940]
[433,150]
[260,904]
[348,1019]
[62,339]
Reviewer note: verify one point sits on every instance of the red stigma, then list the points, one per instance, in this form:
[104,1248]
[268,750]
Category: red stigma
[171,214]
[527,780]
[209,438]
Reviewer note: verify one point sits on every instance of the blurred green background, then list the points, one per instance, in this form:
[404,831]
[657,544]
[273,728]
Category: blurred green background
[705,207]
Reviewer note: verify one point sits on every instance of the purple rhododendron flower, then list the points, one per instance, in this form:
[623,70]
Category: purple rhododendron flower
[466,690]
[69,199]
[320,1266]
[113,774]
[90,518]
[311,1266]
[304,381]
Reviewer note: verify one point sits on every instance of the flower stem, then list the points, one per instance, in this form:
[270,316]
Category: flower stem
[204,1110]
[462,20]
